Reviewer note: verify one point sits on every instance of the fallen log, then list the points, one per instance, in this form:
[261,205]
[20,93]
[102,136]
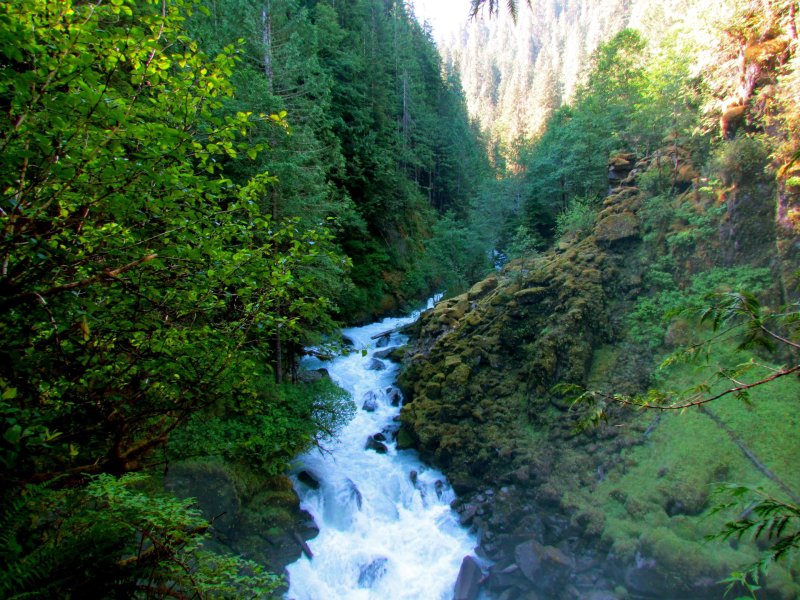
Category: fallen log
[389,332]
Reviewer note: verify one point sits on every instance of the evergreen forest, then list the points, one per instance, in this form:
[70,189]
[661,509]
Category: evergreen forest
[198,194]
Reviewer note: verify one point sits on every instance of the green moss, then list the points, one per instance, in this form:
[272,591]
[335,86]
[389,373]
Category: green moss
[684,460]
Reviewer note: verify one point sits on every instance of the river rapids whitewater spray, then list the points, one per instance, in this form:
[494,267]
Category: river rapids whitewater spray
[381,535]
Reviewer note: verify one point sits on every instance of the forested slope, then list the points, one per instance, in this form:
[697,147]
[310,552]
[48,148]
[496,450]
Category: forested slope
[659,191]
[192,192]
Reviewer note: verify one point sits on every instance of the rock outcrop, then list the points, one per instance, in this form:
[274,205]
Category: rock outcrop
[478,382]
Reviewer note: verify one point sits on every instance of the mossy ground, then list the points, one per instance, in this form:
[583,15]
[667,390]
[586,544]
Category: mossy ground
[657,497]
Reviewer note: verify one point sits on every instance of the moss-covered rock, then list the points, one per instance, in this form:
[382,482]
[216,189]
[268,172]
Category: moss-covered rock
[253,514]
[479,404]
[617,227]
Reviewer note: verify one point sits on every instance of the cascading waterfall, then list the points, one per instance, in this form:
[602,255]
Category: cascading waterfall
[386,527]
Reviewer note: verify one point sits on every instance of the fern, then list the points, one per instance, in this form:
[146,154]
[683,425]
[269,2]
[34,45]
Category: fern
[24,568]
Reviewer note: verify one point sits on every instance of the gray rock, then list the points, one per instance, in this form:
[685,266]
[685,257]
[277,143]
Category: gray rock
[508,577]
[468,583]
[370,402]
[382,342]
[377,446]
[370,573]
[383,354]
[309,479]
[313,375]
[376,365]
[529,558]
[545,566]
[395,397]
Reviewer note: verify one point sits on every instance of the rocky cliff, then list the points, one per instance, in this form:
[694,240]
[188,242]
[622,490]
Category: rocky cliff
[619,510]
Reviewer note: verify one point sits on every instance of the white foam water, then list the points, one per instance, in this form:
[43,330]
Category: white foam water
[386,527]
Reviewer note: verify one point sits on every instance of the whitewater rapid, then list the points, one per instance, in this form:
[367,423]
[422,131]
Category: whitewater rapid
[386,527]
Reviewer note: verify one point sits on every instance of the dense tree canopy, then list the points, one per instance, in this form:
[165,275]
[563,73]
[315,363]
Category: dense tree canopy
[190,193]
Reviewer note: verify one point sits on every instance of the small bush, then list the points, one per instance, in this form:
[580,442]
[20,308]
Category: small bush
[524,243]
[652,315]
[741,160]
[578,218]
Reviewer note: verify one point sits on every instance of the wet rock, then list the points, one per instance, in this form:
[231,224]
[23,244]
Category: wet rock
[379,437]
[468,583]
[382,342]
[390,431]
[308,479]
[508,577]
[545,566]
[376,445]
[376,365]
[395,397]
[413,476]
[303,545]
[617,227]
[439,487]
[372,572]
[355,493]
[313,375]
[383,354]
[467,513]
[370,402]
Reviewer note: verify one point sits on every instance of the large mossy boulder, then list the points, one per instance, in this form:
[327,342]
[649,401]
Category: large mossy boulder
[617,227]
[252,514]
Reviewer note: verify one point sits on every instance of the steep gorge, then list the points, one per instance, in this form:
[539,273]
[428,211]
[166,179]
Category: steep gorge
[622,507]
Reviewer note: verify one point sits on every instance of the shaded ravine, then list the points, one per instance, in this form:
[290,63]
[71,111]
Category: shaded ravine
[386,526]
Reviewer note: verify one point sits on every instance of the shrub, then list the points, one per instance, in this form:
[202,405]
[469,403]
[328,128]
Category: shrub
[741,160]
[577,219]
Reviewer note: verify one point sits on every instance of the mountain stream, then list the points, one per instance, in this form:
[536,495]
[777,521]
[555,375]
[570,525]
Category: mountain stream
[386,527]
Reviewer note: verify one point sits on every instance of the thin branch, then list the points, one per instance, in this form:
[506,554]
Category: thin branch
[626,401]
[105,276]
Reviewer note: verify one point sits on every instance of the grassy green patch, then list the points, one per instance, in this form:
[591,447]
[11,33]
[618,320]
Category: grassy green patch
[658,498]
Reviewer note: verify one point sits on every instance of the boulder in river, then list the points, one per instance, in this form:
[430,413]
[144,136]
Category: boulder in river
[355,493]
[376,365]
[395,397]
[371,572]
[468,583]
[309,479]
[376,445]
[370,402]
[382,342]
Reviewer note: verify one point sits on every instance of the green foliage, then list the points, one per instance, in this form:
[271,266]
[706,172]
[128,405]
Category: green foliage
[648,322]
[739,325]
[633,100]
[267,432]
[456,255]
[742,159]
[577,219]
[765,518]
[524,243]
[116,537]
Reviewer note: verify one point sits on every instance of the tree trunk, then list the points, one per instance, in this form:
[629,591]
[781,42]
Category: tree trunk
[278,359]
[266,38]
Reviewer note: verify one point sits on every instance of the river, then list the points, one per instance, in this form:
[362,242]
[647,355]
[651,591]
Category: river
[386,527]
